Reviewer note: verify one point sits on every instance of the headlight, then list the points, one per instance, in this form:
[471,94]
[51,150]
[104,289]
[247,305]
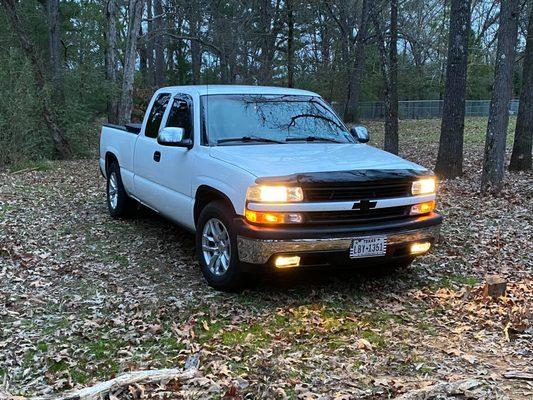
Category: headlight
[424,186]
[274,194]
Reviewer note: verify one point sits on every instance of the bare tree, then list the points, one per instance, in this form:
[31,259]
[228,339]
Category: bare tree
[61,143]
[149,45]
[270,25]
[521,156]
[290,43]
[389,69]
[493,162]
[125,106]
[159,43]
[54,45]
[110,58]
[450,158]
[196,48]
[354,85]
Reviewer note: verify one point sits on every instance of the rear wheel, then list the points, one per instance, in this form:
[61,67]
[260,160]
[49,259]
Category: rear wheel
[217,248]
[119,203]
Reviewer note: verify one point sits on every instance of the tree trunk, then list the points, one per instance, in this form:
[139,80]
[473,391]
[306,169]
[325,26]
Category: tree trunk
[61,144]
[196,52]
[290,44]
[143,57]
[356,77]
[493,162]
[159,43]
[126,97]
[110,59]
[450,158]
[521,156]
[269,28]
[150,78]
[391,117]
[54,47]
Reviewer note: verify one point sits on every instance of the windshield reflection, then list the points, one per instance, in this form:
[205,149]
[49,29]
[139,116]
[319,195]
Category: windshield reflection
[260,119]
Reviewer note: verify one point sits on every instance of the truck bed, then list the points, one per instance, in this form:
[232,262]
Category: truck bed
[131,127]
[120,140]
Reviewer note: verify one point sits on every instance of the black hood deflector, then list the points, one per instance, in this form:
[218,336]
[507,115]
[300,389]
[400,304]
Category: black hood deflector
[345,178]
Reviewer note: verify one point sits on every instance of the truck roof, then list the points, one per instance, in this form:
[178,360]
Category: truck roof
[234,89]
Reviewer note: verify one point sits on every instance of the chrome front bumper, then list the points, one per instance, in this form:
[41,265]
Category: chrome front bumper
[259,251]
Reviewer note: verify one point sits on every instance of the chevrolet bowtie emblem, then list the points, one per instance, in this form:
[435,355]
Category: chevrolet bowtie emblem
[364,205]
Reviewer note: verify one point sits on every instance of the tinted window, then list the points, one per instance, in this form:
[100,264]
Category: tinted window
[156,115]
[180,117]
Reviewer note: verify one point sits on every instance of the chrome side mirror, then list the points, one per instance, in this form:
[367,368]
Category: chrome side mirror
[360,133]
[173,136]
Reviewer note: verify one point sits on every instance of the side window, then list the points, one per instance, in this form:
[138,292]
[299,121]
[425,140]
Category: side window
[156,115]
[180,116]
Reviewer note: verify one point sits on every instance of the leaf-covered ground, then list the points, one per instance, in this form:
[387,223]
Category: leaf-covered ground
[84,298]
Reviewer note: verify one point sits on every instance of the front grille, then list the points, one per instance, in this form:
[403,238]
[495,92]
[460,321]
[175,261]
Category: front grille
[362,190]
[356,216]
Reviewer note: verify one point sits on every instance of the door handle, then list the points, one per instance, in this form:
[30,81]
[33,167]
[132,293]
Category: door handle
[157,156]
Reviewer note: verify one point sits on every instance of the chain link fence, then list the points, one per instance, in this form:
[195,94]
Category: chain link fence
[422,109]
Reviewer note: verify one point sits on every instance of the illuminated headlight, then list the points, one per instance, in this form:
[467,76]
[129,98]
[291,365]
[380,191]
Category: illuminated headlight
[274,194]
[424,186]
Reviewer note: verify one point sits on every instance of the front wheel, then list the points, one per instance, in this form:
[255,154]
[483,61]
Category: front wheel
[217,248]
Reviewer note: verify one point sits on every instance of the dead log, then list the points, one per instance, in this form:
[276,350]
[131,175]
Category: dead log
[527,376]
[441,389]
[495,286]
[101,389]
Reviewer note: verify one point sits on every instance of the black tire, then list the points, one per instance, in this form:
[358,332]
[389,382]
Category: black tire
[232,278]
[123,205]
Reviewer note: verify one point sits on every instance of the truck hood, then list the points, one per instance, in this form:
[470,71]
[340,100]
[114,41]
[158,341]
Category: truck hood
[274,160]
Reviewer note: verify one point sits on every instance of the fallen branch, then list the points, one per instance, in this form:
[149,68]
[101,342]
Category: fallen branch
[100,389]
[528,376]
[21,171]
[440,389]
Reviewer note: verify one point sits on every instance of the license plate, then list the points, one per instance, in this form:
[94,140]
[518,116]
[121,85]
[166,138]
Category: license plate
[373,246]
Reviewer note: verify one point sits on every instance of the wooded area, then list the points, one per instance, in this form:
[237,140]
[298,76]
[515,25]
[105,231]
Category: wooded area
[77,61]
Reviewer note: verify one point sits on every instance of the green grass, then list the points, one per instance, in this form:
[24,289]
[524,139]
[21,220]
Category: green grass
[452,281]
[38,165]
[428,130]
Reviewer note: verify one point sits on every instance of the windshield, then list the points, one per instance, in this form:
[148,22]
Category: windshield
[260,119]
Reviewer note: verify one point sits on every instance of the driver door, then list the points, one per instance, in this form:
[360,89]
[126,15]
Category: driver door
[175,165]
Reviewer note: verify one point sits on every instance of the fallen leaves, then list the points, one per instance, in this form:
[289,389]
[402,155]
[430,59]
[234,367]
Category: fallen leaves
[84,298]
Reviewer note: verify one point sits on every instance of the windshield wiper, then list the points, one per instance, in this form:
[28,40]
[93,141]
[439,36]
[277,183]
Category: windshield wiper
[312,139]
[249,139]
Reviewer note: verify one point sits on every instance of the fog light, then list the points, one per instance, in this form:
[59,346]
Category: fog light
[287,262]
[420,247]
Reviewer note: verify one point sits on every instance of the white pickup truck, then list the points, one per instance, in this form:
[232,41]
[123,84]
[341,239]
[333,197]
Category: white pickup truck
[268,178]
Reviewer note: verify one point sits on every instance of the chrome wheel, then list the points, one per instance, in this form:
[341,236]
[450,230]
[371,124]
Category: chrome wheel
[113,190]
[216,246]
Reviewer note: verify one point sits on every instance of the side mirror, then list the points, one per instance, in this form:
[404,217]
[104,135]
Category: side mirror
[360,133]
[172,136]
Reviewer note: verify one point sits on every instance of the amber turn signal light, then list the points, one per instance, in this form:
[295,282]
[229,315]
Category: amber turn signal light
[258,217]
[423,208]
